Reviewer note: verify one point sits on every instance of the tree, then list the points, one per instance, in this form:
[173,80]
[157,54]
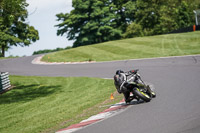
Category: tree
[184,14]
[91,21]
[149,14]
[125,13]
[163,16]
[14,30]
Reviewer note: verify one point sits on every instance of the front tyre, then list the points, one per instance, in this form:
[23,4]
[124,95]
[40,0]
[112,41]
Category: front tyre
[142,95]
[151,92]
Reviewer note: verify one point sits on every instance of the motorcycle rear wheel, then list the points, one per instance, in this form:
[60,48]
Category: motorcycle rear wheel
[142,95]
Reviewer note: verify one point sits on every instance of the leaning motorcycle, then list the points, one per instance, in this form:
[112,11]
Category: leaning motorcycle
[132,82]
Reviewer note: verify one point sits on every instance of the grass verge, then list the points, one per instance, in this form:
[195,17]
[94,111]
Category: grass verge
[46,104]
[1,58]
[140,47]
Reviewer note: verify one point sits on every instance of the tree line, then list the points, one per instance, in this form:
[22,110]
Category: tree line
[96,21]
[50,50]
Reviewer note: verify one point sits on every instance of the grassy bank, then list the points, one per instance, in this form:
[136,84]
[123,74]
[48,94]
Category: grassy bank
[140,47]
[46,104]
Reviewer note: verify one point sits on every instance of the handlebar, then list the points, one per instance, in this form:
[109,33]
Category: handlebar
[128,73]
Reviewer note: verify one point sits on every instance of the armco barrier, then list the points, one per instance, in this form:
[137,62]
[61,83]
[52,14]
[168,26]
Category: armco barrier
[4,81]
[186,29]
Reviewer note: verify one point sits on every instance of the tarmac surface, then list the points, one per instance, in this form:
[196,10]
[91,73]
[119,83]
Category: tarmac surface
[176,109]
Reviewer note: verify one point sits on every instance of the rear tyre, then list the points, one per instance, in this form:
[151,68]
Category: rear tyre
[142,95]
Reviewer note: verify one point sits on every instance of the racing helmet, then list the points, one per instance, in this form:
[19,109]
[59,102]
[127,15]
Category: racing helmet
[119,71]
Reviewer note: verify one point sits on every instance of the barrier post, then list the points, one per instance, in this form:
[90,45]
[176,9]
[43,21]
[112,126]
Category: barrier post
[194,27]
[4,81]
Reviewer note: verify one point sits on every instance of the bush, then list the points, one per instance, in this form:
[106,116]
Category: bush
[50,50]
[133,30]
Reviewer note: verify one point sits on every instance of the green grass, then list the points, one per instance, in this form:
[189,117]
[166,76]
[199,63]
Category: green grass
[8,57]
[46,104]
[140,47]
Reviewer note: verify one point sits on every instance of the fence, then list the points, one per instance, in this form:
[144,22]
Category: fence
[186,29]
[4,81]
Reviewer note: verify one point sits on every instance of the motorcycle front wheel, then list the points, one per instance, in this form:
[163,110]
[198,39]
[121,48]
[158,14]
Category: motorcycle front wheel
[150,92]
[142,95]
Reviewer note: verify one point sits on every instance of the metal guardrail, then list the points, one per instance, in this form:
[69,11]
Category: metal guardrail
[4,81]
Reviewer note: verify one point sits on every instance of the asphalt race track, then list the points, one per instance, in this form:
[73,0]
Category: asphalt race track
[176,109]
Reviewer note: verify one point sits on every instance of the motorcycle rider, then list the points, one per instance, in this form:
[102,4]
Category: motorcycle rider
[119,81]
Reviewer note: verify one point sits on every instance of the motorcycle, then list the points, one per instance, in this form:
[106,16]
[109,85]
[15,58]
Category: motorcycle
[131,82]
